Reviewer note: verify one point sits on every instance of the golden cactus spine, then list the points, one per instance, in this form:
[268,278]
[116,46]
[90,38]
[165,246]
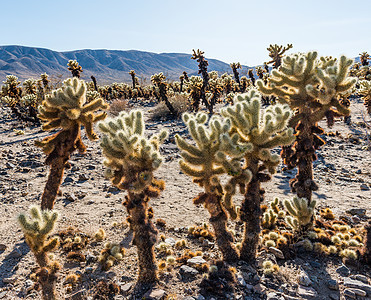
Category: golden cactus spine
[36,227]
[205,162]
[260,132]
[66,109]
[310,87]
[131,160]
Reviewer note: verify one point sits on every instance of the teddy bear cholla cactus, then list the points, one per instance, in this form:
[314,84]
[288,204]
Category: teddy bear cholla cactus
[131,159]
[301,213]
[205,162]
[75,68]
[365,91]
[312,89]
[66,109]
[36,227]
[276,53]
[259,131]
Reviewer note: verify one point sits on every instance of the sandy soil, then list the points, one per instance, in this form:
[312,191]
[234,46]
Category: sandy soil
[343,166]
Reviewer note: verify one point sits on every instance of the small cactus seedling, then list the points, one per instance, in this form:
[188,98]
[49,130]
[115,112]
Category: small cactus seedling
[75,68]
[66,109]
[301,213]
[131,159]
[311,88]
[36,227]
[259,132]
[205,161]
[110,254]
[276,53]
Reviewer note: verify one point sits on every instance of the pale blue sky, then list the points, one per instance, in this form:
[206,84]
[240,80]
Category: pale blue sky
[232,31]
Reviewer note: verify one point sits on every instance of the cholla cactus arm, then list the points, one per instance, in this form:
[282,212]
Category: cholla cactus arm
[66,109]
[259,133]
[36,227]
[131,160]
[301,213]
[312,87]
[204,161]
[276,52]
[365,91]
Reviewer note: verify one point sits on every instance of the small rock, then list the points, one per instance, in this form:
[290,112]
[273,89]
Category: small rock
[304,279]
[16,253]
[200,297]
[259,288]
[9,165]
[334,296]
[155,294]
[83,177]
[315,264]
[362,278]
[113,189]
[68,179]
[28,286]
[364,187]
[349,293]
[355,219]
[196,261]
[357,285]
[170,241]
[89,270]
[2,247]
[240,279]
[361,212]
[307,291]
[10,279]
[359,292]
[126,287]
[343,271]
[333,284]
[273,296]
[276,252]
[90,258]
[188,272]
[70,197]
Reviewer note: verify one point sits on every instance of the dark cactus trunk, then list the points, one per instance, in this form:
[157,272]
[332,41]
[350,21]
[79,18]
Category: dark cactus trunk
[46,277]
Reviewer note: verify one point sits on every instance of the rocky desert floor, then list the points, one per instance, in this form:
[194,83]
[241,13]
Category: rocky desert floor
[89,202]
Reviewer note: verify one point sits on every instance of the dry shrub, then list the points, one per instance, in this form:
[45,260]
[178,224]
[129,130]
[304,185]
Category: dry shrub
[179,102]
[118,106]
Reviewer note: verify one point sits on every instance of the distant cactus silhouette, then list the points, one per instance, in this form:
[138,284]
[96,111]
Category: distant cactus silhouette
[75,68]
[276,53]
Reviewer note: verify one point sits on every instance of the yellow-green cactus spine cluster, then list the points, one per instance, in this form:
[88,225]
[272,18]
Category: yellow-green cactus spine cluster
[66,109]
[259,132]
[37,227]
[131,159]
[301,213]
[312,89]
[205,162]
[111,254]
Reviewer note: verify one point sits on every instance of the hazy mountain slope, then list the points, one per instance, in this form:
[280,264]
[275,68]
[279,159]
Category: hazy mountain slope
[106,65]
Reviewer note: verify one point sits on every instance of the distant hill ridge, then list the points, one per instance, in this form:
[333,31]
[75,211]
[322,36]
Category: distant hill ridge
[106,65]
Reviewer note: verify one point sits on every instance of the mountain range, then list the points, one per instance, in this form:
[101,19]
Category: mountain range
[106,65]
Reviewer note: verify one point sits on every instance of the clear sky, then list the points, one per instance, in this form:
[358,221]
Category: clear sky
[229,30]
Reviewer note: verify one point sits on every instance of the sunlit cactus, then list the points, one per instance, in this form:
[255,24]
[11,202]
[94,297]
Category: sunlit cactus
[159,81]
[312,89]
[260,131]
[301,213]
[365,91]
[75,68]
[194,86]
[131,160]
[245,83]
[364,57]
[227,81]
[205,162]
[29,86]
[132,74]
[66,109]
[235,67]
[276,53]
[202,69]
[37,226]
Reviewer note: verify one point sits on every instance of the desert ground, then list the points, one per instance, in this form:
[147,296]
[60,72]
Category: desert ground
[89,202]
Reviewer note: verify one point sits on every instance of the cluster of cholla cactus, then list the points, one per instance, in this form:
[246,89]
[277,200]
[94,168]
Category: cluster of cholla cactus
[235,67]
[245,134]
[276,53]
[75,68]
[312,88]
[131,160]
[66,109]
[259,131]
[301,213]
[37,226]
